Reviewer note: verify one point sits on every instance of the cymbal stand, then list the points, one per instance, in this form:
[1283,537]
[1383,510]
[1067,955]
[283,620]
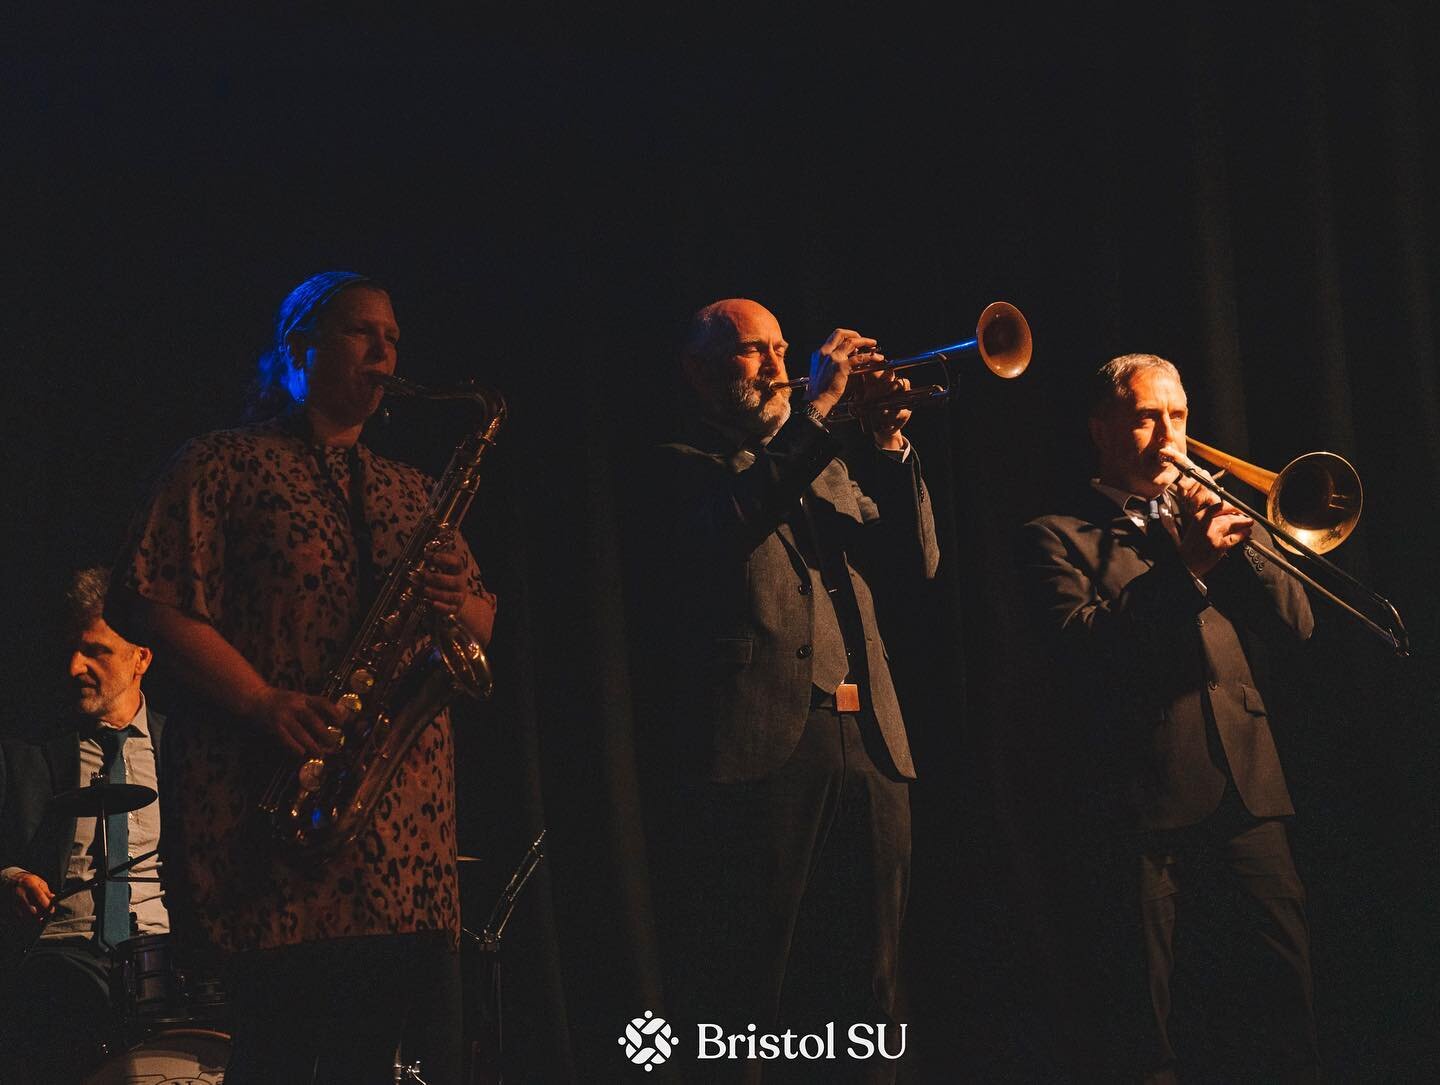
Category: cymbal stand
[485,1044]
[106,872]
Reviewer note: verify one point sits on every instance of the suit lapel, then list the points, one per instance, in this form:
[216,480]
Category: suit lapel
[62,754]
[157,724]
[832,486]
[1121,550]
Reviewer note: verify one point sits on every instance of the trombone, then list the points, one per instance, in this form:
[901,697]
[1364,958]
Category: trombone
[1002,339]
[1313,503]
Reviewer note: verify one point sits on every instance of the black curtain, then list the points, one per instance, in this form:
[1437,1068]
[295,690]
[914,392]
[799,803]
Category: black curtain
[1247,190]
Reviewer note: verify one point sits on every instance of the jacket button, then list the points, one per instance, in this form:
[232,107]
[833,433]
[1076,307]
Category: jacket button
[1214,684]
[803,588]
[1200,619]
[803,652]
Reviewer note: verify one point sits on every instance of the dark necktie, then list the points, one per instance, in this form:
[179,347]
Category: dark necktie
[1157,514]
[112,921]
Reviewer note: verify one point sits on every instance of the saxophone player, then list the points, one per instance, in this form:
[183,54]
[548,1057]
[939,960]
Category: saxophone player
[251,565]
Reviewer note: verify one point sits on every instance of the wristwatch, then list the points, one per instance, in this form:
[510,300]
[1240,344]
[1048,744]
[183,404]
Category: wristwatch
[810,411]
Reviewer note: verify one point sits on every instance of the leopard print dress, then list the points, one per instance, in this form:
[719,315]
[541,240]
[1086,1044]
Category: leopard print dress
[245,531]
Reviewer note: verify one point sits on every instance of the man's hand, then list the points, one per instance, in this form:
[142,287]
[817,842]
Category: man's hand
[1213,527]
[30,897]
[832,364]
[306,725]
[882,423]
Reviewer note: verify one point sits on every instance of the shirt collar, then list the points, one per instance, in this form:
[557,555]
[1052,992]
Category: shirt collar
[1124,499]
[139,724]
[1115,494]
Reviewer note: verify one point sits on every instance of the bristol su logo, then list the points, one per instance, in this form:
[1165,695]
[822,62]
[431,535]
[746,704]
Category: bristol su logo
[648,1041]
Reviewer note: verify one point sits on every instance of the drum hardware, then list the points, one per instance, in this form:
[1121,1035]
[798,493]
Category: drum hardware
[152,984]
[101,798]
[407,1074]
[98,799]
[191,1056]
[483,1016]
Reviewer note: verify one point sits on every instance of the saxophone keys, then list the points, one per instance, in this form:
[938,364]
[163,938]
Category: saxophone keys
[311,774]
[361,680]
[352,703]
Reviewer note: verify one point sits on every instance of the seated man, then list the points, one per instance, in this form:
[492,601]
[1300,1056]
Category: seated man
[54,1001]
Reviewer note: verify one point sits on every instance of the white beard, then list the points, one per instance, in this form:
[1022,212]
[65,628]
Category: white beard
[757,408]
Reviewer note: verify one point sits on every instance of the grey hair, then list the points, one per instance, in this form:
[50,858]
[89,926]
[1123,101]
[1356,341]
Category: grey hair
[85,597]
[1112,380]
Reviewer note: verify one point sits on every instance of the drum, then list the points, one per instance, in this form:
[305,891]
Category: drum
[152,987]
[181,1056]
[147,982]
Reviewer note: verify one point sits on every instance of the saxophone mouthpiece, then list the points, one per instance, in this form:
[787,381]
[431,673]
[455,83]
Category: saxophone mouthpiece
[395,386]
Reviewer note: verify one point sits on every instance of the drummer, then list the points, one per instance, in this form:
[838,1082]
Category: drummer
[54,1006]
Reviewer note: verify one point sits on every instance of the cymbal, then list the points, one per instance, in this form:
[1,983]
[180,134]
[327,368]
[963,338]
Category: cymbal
[96,799]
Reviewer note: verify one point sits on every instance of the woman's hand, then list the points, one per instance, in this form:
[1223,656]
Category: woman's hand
[442,581]
[305,725]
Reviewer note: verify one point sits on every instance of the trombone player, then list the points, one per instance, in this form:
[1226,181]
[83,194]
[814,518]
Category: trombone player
[1148,597]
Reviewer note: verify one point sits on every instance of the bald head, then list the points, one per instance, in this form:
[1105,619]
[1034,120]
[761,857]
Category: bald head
[733,355]
[715,329]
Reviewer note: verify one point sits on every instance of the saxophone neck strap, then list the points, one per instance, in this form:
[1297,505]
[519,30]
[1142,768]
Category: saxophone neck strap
[353,501]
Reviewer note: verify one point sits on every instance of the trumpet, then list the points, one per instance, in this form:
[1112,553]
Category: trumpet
[1314,504]
[1002,339]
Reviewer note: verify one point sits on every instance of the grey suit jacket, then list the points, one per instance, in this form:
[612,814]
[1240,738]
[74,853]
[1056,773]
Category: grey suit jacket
[1157,665]
[739,608]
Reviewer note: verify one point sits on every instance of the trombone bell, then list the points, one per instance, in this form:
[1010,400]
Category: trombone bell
[1313,504]
[1316,497]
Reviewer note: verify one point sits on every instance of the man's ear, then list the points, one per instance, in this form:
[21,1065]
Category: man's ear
[695,370]
[143,658]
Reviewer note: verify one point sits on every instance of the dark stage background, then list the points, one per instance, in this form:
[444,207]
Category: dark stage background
[1248,190]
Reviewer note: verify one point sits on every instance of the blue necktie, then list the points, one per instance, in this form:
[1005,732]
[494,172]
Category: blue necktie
[113,921]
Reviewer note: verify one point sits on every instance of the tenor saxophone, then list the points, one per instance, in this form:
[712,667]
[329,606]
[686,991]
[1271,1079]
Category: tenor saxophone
[317,807]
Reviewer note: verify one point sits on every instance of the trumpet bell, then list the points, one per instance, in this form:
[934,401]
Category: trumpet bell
[1316,497]
[1003,339]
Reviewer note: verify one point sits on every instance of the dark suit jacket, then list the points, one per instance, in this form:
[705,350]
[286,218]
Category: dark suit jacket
[32,771]
[738,607]
[1159,667]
